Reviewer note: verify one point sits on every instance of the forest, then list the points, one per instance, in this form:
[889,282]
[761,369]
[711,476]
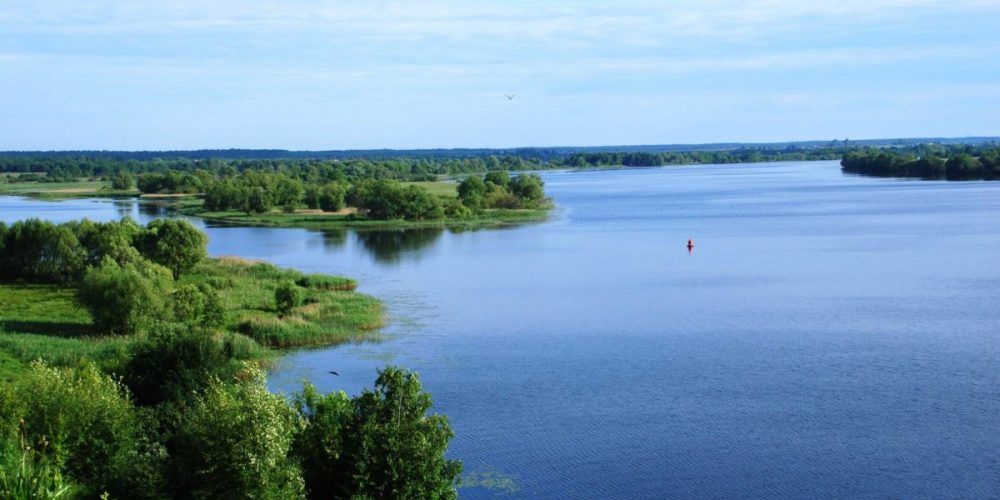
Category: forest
[951,162]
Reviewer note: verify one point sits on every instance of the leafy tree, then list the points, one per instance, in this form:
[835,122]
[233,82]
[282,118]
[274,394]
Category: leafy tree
[126,299]
[122,181]
[113,240]
[41,251]
[499,177]
[331,197]
[234,442]
[471,191]
[84,422]
[962,166]
[528,187]
[173,363]
[198,305]
[173,243]
[395,450]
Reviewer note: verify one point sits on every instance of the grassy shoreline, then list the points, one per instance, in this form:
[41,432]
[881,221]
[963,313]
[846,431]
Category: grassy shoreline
[488,218]
[45,321]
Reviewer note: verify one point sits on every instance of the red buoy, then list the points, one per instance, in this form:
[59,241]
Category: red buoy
[690,244]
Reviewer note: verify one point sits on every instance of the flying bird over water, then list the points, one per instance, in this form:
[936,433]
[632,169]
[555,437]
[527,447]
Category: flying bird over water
[334,373]
[510,97]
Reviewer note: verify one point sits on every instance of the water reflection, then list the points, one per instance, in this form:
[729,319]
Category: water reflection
[389,246]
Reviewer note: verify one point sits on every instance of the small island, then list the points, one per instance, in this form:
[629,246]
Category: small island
[275,199]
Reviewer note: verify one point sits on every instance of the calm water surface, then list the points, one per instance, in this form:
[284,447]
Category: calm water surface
[829,336]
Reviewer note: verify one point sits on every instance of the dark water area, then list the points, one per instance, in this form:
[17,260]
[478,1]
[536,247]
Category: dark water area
[828,336]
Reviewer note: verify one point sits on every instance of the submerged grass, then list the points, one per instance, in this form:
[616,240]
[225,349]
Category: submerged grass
[46,322]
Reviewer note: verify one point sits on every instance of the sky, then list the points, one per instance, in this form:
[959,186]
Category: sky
[356,74]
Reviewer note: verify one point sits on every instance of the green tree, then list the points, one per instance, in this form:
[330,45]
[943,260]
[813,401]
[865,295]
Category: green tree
[84,422]
[122,181]
[126,299]
[500,178]
[41,251]
[173,363]
[471,191]
[528,187]
[395,449]
[197,305]
[234,442]
[331,197]
[173,243]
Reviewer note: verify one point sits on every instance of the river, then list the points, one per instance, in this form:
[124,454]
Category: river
[827,336]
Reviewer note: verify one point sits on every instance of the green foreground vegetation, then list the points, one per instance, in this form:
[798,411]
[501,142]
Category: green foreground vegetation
[132,369]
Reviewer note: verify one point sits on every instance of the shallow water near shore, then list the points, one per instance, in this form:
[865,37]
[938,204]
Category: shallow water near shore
[828,335]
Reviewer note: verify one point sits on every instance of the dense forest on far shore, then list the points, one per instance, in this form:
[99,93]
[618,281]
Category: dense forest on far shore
[940,162]
[65,166]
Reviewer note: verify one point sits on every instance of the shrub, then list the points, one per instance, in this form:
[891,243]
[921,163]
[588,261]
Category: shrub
[122,181]
[172,363]
[198,305]
[85,424]
[234,443]
[382,445]
[126,299]
[331,197]
[41,251]
[287,296]
[173,243]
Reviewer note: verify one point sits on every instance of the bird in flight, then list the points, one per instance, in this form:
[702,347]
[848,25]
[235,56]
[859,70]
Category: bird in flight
[510,97]
[334,373]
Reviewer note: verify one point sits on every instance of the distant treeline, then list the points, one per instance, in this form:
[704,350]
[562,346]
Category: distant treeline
[928,162]
[644,159]
[427,164]
[64,168]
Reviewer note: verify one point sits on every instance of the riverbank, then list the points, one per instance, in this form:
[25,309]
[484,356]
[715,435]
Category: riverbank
[46,322]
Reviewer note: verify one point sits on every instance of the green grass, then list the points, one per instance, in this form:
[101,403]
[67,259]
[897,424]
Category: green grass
[45,321]
[440,188]
[331,312]
[60,190]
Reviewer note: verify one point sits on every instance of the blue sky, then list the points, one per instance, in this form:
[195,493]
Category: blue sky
[180,74]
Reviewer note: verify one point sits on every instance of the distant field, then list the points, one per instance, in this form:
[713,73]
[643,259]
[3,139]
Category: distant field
[442,188]
[76,189]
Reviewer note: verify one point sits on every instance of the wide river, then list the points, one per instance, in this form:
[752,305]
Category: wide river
[828,336]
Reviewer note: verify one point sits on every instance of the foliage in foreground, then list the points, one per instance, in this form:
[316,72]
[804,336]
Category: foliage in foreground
[76,430]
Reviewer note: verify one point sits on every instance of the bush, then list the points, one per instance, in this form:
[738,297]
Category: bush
[198,305]
[287,296]
[383,445]
[331,197]
[234,443]
[126,299]
[122,181]
[85,424]
[41,251]
[173,243]
[173,363]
